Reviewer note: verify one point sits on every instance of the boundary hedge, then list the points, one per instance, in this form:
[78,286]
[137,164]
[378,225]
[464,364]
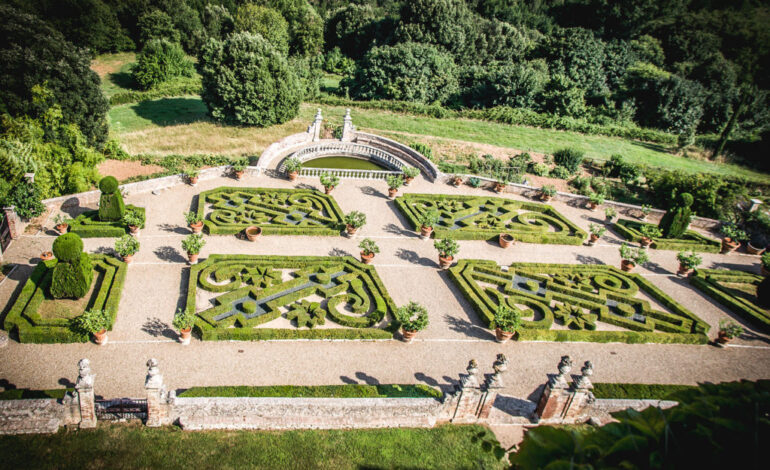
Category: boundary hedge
[638,391]
[630,230]
[708,281]
[26,393]
[88,225]
[318,391]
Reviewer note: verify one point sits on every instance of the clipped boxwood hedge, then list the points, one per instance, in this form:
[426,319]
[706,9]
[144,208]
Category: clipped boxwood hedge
[710,282]
[638,391]
[691,240]
[25,393]
[484,218]
[318,391]
[88,225]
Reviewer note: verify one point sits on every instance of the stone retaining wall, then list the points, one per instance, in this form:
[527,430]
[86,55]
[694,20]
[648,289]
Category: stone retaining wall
[401,151]
[36,416]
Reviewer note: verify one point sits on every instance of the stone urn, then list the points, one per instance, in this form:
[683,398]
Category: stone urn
[505,240]
[502,336]
[445,262]
[425,232]
[367,257]
[252,233]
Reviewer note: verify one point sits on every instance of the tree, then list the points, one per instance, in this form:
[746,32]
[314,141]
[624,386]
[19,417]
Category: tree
[515,85]
[306,28]
[407,71]
[579,55]
[352,28]
[217,21]
[247,81]
[265,21]
[161,61]
[156,24]
[32,53]
[562,96]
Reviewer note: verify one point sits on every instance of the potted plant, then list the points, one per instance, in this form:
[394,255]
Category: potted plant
[413,317]
[239,167]
[127,246]
[193,244]
[293,165]
[507,322]
[94,322]
[252,233]
[547,192]
[500,184]
[192,176]
[595,200]
[645,211]
[649,231]
[732,237]
[727,331]
[427,220]
[765,264]
[394,182]
[757,243]
[609,214]
[368,249]
[596,233]
[135,220]
[447,249]
[632,257]
[505,240]
[194,221]
[61,223]
[410,173]
[46,256]
[354,221]
[184,322]
[687,262]
[456,180]
[329,181]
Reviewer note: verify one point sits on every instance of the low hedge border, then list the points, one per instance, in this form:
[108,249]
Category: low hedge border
[210,329]
[659,327]
[638,391]
[525,233]
[328,226]
[708,281]
[30,328]
[88,225]
[629,229]
[318,391]
[26,393]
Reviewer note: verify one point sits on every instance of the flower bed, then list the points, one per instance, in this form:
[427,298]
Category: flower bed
[561,302]
[691,240]
[88,225]
[736,291]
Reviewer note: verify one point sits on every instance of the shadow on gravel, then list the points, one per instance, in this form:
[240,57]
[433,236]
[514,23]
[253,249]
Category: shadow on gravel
[467,328]
[105,250]
[583,259]
[656,268]
[736,267]
[155,327]
[174,229]
[339,252]
[305,186]
[396,230]
[170,254]
[370,191]
[515,406]
[412,257]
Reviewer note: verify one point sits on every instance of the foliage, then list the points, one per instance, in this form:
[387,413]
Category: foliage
[240,164]
[634,255]
[650,231]
[183,319]
[548,190]
[89,225]
[410,172]
[394,181]
[192,217]
[569,158]
[507,319]
[265,21]
[329,180]
[92,321]
[126,245]
[293,164]
[134,218]
[560,172]
[474,182]
[305,26]
[191,173]
[318,391]
[24,197]
[713,196]
[597,230]
[428,218]
[766,260]
[412,317]
[111,205]
[689,260]
[156,24]
[730,230]
[160,61]
[447,247]
[67,248]
[637,391]
[610,213]
[596,197]
[677,219]
[368,246]
[193,243]
[355,219]
[729,328]
[73,273]
[261,90]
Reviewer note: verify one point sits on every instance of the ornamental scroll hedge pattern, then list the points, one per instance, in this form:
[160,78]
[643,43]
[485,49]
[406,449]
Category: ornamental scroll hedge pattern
[735,290]
[482,218]
[579,298]
[276,211]
[308,291]
[690,240]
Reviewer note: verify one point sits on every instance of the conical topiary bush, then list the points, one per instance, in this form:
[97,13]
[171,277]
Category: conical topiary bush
[73,274]
[677,219]
[111,206]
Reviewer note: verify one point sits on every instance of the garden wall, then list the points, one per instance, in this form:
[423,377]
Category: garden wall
[35,416]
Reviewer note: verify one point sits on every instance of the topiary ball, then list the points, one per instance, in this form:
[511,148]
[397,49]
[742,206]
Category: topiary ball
[68,247]
[249,306]
[686,199]
[108,185]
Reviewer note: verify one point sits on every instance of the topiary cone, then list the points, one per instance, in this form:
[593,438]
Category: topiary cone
[111,206]
[73,274]
[676,221]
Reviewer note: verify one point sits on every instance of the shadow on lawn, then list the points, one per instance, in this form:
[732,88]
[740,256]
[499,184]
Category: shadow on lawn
[172,111]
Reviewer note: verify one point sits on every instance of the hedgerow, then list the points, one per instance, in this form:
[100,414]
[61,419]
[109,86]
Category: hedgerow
[691,240]
[318,391]
[712,282]
[88,225]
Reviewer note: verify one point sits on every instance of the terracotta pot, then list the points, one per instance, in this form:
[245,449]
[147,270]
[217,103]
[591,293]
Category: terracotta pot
[197,228]
[407,335]
[592,205]
[764,270]
[608,220]
[408,180]
[499,187]
[100,338]
[184,335]
[627,265]
[425,232]
[729,245]
[445,262]
[722,339]
[62,228]
[367,258]
[328,189]
[593,238]
[192,257]
[127,258]
[503,336]
[350,229]
[194,180]
[645,242]
[683,270]
[457,181]
[392,192]
[545,197]
[293,175]
[505,240]
[239,174]
[252,233]
[46,255]
[752,250]
[133,229]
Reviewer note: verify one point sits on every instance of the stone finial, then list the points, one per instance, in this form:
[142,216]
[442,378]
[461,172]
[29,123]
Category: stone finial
[565,366]
[318,116]
[85,377]
[347,127]
[471,380]
[500,365]
[583,381]
[154,378]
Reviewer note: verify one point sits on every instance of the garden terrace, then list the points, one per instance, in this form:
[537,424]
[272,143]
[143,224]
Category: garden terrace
[241,297]
[276,211]
[691,240]
[38,318]
[483,218]
[88,225]
[560,302]
[736,290]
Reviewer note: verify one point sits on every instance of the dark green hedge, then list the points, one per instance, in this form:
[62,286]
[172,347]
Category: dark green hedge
[638,391]
[318,391]
[26,393]
[708,281]
[629,229]
[88,225]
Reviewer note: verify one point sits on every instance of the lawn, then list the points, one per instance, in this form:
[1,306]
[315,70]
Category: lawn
[135,446]
[115,71]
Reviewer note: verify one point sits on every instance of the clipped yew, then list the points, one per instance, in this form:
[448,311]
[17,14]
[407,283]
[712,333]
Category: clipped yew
[675,222]
[111,206]
[73,273]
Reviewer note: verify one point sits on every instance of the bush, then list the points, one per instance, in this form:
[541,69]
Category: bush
[269,23]
[539,169]
[73,273]
[247,81]
[111,206]
[160,61]
[412,317]
[92,321]
[560,172]
[67,248]
[126,245]
[568,158]
[675,222]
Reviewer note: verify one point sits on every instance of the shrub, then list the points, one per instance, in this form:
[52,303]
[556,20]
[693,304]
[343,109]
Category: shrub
[474,182]
[91,321]
[730,230]
[650,231]
[355,219]
[675,222]
[596,198]
[729,328]
[265,21]
[428,218]
[111,206]
[568,158]
[411,172]
[293,164]
[597,230]
[507,319]
[134,218]
[329,180]
[635,255]
[73,273]
[183,319]
[539,169]
[394,181]
[192,217]
[193,243]
[766,260]
[560,172]
[548,190]
[689,260]
[412,317]
[446,247]
[126,245]
[160,61]
[368,246]
[610,212]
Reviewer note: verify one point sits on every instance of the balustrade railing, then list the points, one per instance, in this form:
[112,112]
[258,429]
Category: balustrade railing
[347,173]
[348,148]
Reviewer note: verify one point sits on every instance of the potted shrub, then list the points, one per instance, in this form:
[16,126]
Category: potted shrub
[394,182]
[649,232]
[194,221]
[329,181]
[46,256]
[354,221]
[368,249]
[192,176]
[413,317]
[427,220]
[765,264]
[632,257]
[184,322]
[410,173]
[687,262]
[547,192]
[94,322]
[293,165]
[474,182]
[596,233]
[507,322]
[61,223]
[193,244]
[645,211]
[732,237]
[126,246]
[609,214]
[252,233]
[727,331]
[757,243]
[595,200]
[500,184]
[456,180]
[505,240]
[447,249]
[239,167]
[135,220]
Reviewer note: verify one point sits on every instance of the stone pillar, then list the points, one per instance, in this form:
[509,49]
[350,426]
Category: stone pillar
[493,386]
[581,393]
[755,203]
[315,128]
[348,129]
[556,395]
[14,222]
[157,410]
[468,396]
[85,394]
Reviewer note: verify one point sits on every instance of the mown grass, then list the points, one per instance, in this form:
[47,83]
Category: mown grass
[135,446]
[115,71]
[317,391]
